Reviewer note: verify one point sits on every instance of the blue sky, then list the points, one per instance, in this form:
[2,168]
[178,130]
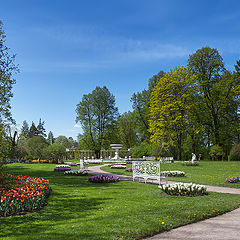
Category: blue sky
[67,48]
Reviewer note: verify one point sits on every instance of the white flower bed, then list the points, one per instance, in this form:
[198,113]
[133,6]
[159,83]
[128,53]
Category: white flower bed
[184,189]
[63,166]
[118,166]
[76,173]
[174,173]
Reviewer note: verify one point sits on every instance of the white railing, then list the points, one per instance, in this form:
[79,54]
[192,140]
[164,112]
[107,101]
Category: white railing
[148,170]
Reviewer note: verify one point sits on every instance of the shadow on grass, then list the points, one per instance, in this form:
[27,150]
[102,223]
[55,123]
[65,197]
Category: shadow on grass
[61,209]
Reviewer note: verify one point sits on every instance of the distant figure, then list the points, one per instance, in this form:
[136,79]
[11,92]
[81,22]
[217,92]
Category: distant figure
[194,158]
[200,157]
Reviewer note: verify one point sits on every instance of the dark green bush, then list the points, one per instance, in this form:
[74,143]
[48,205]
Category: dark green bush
[235,153]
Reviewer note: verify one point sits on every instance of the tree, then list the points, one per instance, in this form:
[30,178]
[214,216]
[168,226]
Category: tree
[40,129]
[141,102]
[97,115]
[35,146]
[50,138]
[127,129]
[33,131]
[7,70]
[25,129]
[218,90]
[170,105]
[56,151]
[63,141]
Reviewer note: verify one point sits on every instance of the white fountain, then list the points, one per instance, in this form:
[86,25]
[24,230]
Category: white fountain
[116,147]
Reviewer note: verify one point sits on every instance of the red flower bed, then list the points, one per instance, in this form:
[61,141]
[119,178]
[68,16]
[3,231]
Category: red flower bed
[26,194]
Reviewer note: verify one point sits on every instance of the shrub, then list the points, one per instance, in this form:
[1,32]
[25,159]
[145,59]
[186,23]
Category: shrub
[103,179]
[76,173]
[184,189]
[235,153]
[233,179]
[174,173]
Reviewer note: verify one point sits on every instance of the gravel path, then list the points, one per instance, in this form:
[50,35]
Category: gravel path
[223,227]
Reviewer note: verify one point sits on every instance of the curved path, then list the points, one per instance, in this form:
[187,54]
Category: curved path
[223,227]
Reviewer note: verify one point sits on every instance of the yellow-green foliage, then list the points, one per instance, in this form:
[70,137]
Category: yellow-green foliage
[170,105]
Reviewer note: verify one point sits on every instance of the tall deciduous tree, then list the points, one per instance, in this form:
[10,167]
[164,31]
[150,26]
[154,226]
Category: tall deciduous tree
[127,129]
[218,91]
[35,146]
[140,104]
[7,70]
[170,105]
[97,115]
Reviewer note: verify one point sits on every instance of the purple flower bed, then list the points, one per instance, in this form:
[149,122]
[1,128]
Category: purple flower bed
[70,163]
[129,170]
[103,179]
[62,169]
[233,180]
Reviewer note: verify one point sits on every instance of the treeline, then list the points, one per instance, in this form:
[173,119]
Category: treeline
[193,108]
[33,143]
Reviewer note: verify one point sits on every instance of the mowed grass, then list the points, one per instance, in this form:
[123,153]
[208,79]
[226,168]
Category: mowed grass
[208,172]
[78,209]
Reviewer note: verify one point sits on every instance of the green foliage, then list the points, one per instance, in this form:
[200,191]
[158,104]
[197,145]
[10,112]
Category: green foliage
[171,105]
[235,153]
[35,146]
[97,115]
[218,91]
[143,149]
[63,140]
[50,138]
[56,151]
[5,147]
[7,69]
[216,152]
[127,129]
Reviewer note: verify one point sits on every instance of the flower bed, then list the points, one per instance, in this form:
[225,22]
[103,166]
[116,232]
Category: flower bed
[103,179]
[70,164]
[233,180]
[174,173]
[25,195]
[119,166]
[76,173]
[184,189]
[128,169]
[63,167]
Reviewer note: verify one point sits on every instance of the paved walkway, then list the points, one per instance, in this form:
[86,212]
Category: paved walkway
[223,227]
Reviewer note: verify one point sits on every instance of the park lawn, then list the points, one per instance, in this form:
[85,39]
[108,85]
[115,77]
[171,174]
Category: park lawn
[78,209]
[208,172]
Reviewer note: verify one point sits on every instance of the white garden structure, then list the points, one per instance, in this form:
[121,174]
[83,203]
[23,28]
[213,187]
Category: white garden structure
[148,170]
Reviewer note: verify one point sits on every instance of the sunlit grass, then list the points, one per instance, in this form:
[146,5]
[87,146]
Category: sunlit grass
[78,209]
[208,173]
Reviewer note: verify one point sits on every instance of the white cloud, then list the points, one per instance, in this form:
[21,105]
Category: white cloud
[77,126]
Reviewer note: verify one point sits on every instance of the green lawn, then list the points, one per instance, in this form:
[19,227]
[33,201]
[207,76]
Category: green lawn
[208,173]
[78,209]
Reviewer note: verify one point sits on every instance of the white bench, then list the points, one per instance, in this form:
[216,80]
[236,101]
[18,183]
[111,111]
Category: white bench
[148,170]
[166,159]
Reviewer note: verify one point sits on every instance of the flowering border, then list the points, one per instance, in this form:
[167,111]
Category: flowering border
[29,194]
[103,179]
[184,189]
[233,179]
